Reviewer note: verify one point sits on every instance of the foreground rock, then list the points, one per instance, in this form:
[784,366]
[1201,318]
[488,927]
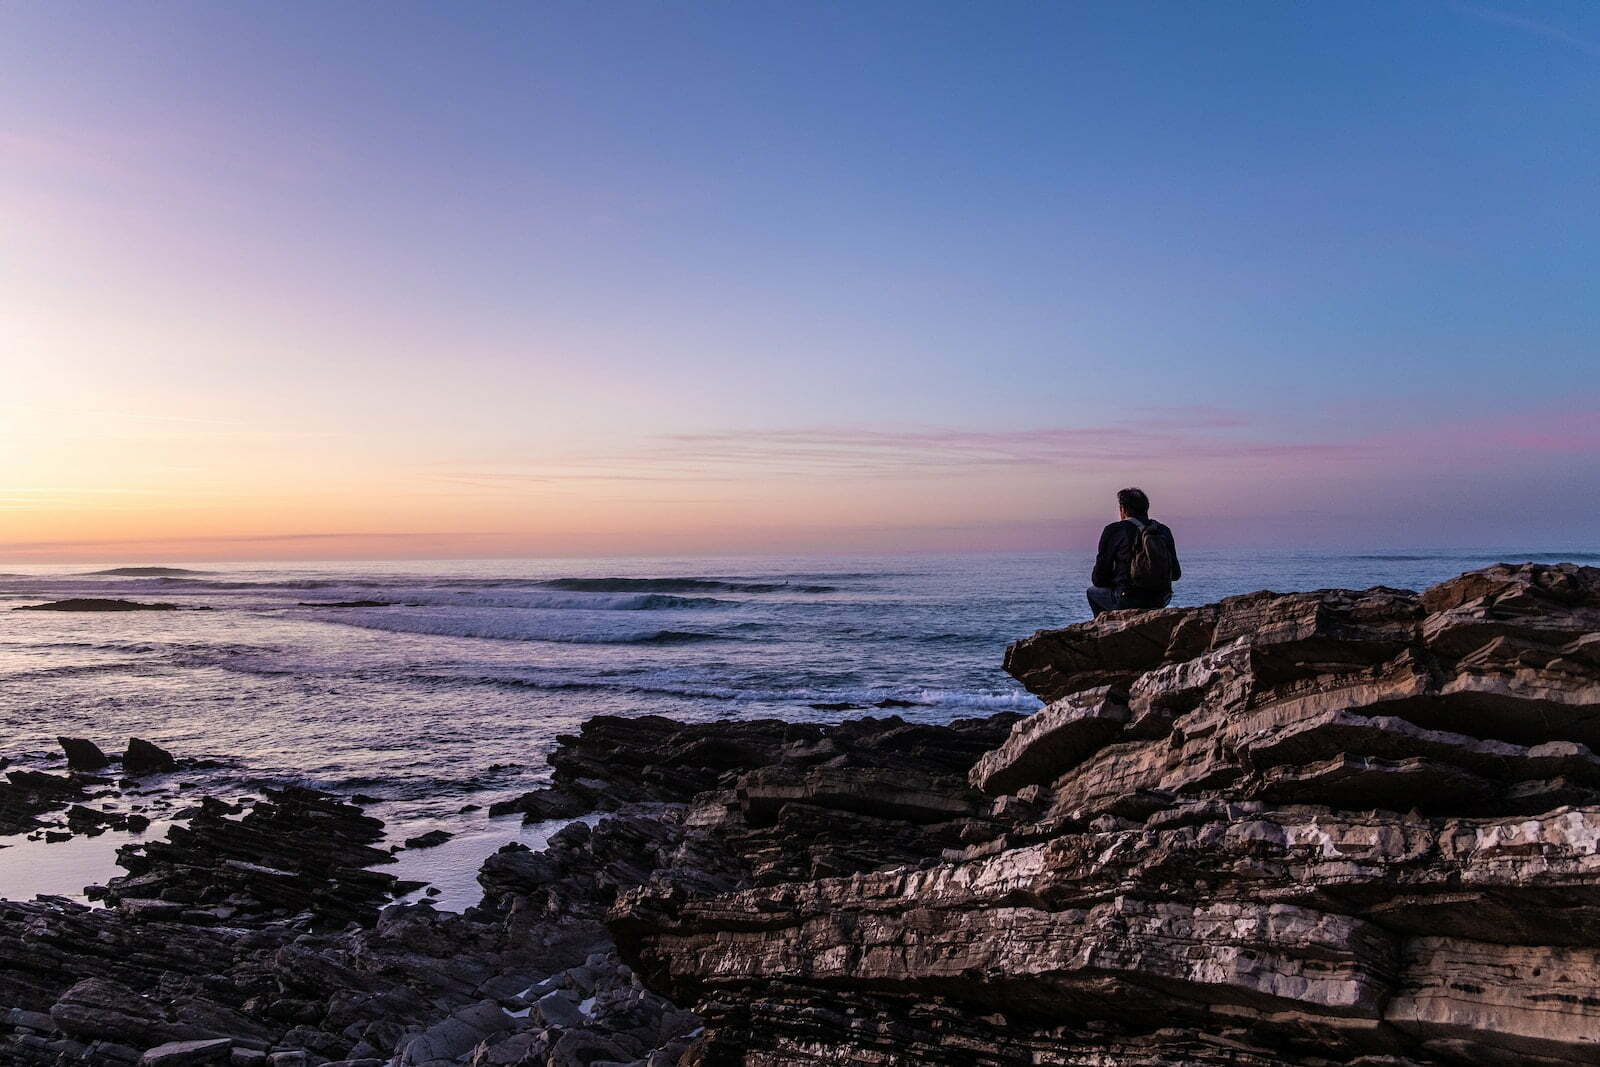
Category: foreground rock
[26,795]
[1332,827]
[298,855]
[262,928]
[204,950]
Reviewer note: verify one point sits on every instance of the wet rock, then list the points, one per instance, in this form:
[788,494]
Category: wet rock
[26,795]
[82,819]
[298,851]
[431,839]
[82,755]
[143,757]
[559,1008]
[99,1009]
[96,604]
[455,1036]
[187,1053]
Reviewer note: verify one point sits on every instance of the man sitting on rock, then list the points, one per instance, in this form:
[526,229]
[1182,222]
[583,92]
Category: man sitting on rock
[1138,560]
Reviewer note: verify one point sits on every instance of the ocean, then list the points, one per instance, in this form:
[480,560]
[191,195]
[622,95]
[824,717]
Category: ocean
[444,691]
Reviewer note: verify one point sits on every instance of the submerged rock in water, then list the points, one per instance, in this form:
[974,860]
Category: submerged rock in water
[96,604]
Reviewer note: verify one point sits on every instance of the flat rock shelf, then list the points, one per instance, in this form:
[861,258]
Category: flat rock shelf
[1340,827]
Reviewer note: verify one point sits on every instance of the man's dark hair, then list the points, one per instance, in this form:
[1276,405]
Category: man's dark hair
[1134,502]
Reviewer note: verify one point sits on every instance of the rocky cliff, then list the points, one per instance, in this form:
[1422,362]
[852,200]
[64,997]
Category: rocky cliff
[1329,827]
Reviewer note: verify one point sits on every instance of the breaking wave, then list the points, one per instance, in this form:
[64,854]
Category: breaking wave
[678,585]
[665,684]
[517,626]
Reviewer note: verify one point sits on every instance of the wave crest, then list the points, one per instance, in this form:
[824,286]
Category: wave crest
[677,585]
[517,626]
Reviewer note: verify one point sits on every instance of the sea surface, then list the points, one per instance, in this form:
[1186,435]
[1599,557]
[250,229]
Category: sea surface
[447,689]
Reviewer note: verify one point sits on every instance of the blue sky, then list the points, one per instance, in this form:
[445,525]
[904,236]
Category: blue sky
[705,275]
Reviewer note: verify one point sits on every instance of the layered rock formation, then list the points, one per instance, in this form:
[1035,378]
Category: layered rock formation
[297,853]
[1330,827]
[26,795]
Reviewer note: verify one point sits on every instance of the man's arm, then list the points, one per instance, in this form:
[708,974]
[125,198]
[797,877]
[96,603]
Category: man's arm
[1177,569]
[1105,570]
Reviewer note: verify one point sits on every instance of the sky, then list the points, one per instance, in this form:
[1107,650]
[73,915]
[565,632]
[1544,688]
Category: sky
[292,280]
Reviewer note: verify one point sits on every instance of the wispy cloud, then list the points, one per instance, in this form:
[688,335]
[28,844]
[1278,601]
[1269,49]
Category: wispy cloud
[1535,26]
[137,416]
[202,540]
[855,452]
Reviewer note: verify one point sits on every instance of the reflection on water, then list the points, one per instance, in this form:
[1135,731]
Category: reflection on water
[64,868]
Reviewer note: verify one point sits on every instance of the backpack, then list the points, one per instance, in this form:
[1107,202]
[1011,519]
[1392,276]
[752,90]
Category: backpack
[1150,566]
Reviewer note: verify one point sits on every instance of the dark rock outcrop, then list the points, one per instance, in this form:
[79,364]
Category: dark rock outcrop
[26,795]
[148,572]
[144,757]
[1331,827]
[82,755]
[96,604]
[298,852]
[618,761]
[431,839]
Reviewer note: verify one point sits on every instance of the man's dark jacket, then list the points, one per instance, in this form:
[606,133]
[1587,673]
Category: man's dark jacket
[1117,543]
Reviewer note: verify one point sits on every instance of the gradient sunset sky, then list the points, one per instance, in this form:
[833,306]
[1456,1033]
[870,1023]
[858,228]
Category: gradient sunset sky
[308,280]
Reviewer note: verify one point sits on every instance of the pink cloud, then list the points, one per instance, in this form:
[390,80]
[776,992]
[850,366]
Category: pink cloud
[1182,435]
[1563,432]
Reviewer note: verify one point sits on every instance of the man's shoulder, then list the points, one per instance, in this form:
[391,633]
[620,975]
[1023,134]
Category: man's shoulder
[1118,533]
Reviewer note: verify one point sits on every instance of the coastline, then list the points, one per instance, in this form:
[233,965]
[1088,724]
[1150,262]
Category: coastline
[1275,829]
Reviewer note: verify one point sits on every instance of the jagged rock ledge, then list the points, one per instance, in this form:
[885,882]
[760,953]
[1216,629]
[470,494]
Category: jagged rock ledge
[1329,827]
